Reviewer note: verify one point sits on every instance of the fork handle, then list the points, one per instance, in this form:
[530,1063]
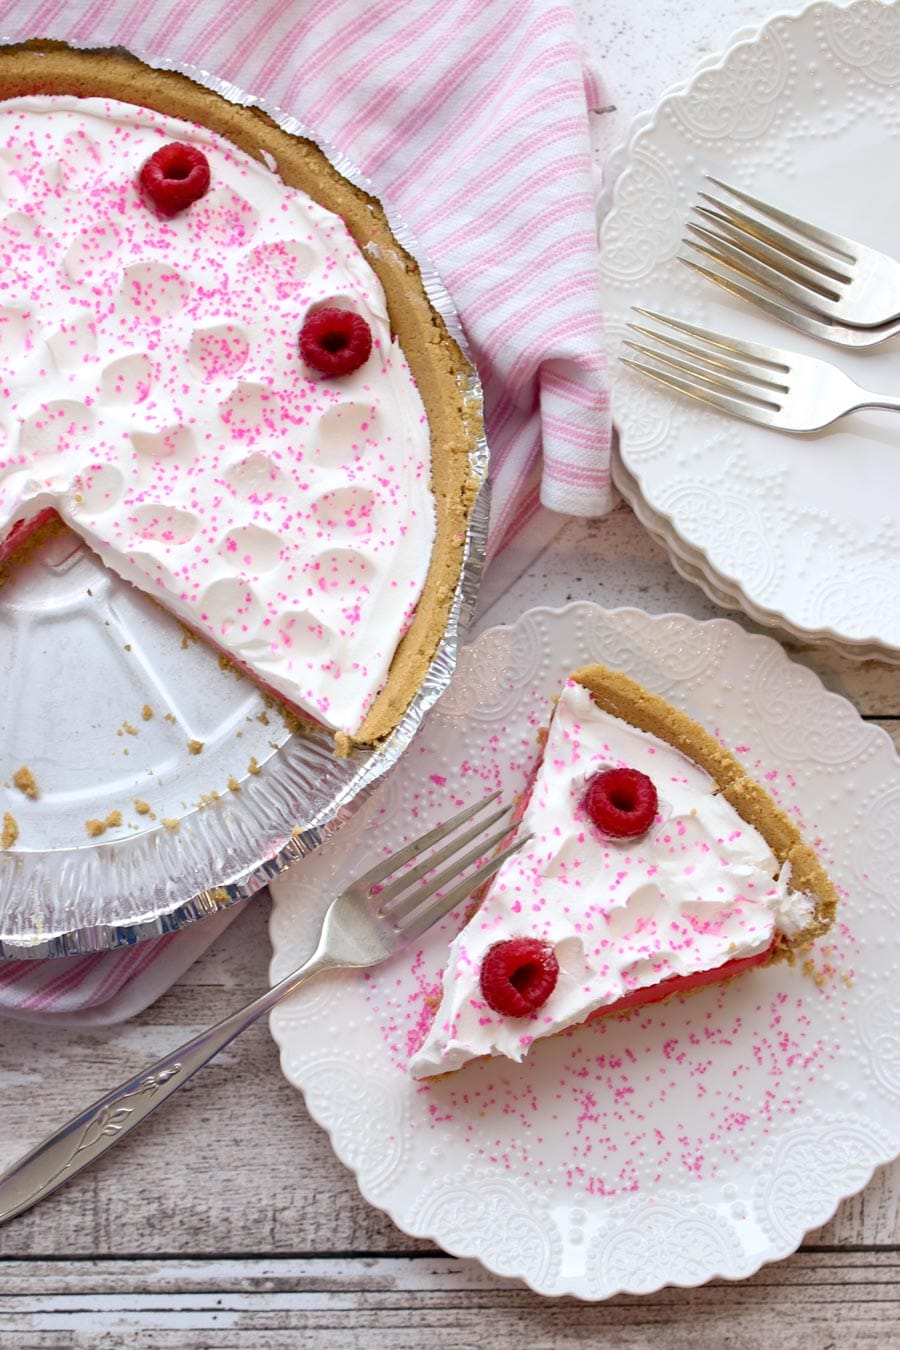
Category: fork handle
[871,400]
[90,1134]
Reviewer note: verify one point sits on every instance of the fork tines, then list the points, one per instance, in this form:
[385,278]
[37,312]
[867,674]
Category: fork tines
[399,900]
[742,378]
[806,264]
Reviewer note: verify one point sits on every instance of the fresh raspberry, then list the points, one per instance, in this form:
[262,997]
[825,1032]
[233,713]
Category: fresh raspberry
[174,176]
[621,802]
[335,341]
[518,976]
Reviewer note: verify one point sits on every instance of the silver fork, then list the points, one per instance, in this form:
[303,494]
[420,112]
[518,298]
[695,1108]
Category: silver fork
[768,385]
[766,254]
[363,926]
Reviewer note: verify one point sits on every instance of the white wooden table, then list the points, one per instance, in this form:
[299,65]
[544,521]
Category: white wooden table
[227,1220]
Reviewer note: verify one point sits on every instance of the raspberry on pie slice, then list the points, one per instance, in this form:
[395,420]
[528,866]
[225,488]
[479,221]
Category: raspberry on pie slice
[518,976]
[656,866]
[621,802]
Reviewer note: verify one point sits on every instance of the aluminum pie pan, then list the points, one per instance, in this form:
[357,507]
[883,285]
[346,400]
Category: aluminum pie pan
[200,831]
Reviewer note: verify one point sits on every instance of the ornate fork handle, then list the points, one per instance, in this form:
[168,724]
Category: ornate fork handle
[414,892]
[87,1136]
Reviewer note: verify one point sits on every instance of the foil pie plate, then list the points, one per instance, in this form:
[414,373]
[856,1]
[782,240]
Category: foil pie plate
[113,707]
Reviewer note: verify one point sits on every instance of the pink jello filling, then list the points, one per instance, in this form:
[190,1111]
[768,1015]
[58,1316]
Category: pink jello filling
[22,530]
[681,984]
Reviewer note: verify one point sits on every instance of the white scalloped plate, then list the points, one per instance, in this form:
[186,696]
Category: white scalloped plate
[803,531]
[695,568]
[694,1139]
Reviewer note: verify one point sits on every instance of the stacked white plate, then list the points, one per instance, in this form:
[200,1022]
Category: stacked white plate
[802,533]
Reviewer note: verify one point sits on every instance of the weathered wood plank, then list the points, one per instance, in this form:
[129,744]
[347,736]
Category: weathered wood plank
[233,1163]
[804,1302]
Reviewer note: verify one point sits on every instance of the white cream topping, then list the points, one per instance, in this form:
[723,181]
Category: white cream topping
[701,888]
[154,395]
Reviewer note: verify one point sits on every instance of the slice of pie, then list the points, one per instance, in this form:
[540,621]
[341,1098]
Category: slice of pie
[655,866]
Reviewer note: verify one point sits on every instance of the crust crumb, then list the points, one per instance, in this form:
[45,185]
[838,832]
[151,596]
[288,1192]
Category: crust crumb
[142,807]
[25,781]
[97,827]
[146,712]
[194,747]
[823,971]
[253,767]
[291,720]
[10,832]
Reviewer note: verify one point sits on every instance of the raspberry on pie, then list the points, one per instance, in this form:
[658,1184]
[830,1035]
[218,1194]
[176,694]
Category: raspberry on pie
[175,176]
[335,341]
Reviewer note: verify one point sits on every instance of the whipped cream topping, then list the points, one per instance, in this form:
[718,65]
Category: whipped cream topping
[154,395]
[701,888]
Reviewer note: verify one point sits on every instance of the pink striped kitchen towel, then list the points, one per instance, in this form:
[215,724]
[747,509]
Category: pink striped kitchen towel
[471,119]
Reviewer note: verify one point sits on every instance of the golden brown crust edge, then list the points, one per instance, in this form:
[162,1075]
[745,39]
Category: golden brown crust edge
[626,698]
[441,371]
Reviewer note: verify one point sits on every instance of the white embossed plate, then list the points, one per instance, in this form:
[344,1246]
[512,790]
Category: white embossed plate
[700,1138]
[695,568]
[806,530]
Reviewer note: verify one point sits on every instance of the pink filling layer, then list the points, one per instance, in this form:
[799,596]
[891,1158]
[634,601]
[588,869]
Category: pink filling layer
[22,530]
[681,984]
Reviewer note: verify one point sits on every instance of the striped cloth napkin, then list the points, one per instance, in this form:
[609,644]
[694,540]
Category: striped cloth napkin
[471,119]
